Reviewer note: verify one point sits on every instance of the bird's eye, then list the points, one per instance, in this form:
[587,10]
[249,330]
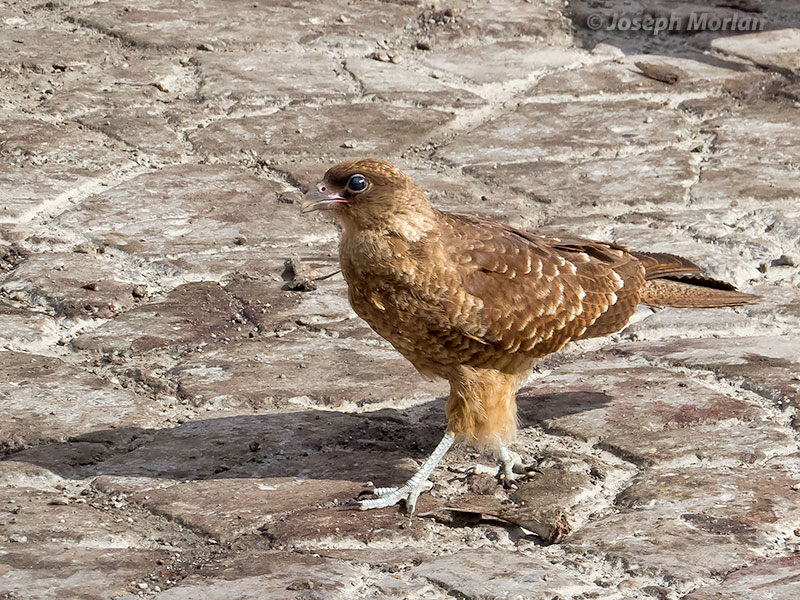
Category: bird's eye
[357,183]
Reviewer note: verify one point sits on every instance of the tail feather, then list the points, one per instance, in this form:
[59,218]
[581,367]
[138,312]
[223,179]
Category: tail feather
[675,281]
[668,292]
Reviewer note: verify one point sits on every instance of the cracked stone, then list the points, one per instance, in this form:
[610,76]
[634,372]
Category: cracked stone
[29,143]
[381,130]
[219,416]
[650,415]
[40,49]
[175,215]
[660,178]
[259,78]
[40,162]
[774,578]
[268,576]
[155,23]
[737,169]
[390,82]
[497,20]
[622,77]
[686,523]
[767,365]
[118,86]
[141,128]
[546,132]
[34,413]
[503,61]
[190,315]
[255,374]
[206,475]
[72,285]
[24,327]
[777,50]
[63,543]
[512,575]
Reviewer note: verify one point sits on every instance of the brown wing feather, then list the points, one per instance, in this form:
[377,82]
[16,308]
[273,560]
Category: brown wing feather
[661,264]
[534,294]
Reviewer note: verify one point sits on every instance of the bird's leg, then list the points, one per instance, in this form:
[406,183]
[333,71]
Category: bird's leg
[418,483]
[508,460]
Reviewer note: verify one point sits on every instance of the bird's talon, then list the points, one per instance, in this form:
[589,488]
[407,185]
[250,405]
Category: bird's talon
[389,496]
[523,469]
[483,470]
[384,491]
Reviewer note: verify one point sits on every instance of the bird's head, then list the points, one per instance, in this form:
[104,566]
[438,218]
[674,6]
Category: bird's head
[367,192]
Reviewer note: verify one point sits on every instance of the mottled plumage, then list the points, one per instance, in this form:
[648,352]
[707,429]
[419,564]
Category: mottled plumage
[476,302]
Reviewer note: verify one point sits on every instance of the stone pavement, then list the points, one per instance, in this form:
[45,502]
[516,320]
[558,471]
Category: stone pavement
[176,423]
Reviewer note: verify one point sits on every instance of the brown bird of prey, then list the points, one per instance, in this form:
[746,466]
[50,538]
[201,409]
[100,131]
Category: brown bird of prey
[476,302]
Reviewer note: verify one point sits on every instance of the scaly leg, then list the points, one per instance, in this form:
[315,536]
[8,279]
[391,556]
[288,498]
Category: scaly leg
[418,483]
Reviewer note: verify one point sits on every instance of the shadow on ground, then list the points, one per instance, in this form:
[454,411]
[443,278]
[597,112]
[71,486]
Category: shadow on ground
[314,444]
[691,30]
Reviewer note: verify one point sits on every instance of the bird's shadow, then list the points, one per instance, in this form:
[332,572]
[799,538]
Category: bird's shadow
[309,444]
[540,408]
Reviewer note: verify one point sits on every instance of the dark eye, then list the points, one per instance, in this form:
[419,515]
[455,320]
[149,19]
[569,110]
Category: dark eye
[357,183]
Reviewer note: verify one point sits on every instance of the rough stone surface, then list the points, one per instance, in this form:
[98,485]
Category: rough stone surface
[72,285]
[776,578]
[502,62]
[263,78]
[348,130]
[392,82]
[82,542]
[684,524]
[511,576]
[220,24]
[674,425]
[23,328]
[779,50]
[626,76]
[244,374]
[44,165]
[766,365]
[46,399]
[187,316]
[168,215]
[553,131]
[276,575]
[181,419]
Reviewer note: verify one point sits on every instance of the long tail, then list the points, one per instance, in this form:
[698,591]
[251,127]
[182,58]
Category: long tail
[675,281]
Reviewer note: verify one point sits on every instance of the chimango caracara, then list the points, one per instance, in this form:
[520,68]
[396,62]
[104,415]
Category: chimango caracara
[477,302]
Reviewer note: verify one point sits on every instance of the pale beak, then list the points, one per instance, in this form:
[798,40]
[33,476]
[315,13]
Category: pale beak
[321,197]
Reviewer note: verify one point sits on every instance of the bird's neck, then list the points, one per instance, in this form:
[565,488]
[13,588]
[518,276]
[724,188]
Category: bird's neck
[371,251]
[410,223]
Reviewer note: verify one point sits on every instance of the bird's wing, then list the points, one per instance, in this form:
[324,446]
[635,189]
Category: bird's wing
[528,293]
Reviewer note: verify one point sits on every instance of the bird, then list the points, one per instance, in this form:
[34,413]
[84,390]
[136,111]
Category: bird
[476,302]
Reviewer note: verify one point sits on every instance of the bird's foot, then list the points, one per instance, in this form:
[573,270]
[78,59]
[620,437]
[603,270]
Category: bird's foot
[418,483]
[389,496]
[507,468]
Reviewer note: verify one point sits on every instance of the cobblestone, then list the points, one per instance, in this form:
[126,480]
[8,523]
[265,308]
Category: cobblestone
[179,422]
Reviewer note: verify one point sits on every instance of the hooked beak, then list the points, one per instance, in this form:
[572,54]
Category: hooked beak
[321,197]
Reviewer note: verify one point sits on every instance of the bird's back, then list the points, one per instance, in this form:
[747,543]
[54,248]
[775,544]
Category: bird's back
[537,293]
[476,292]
